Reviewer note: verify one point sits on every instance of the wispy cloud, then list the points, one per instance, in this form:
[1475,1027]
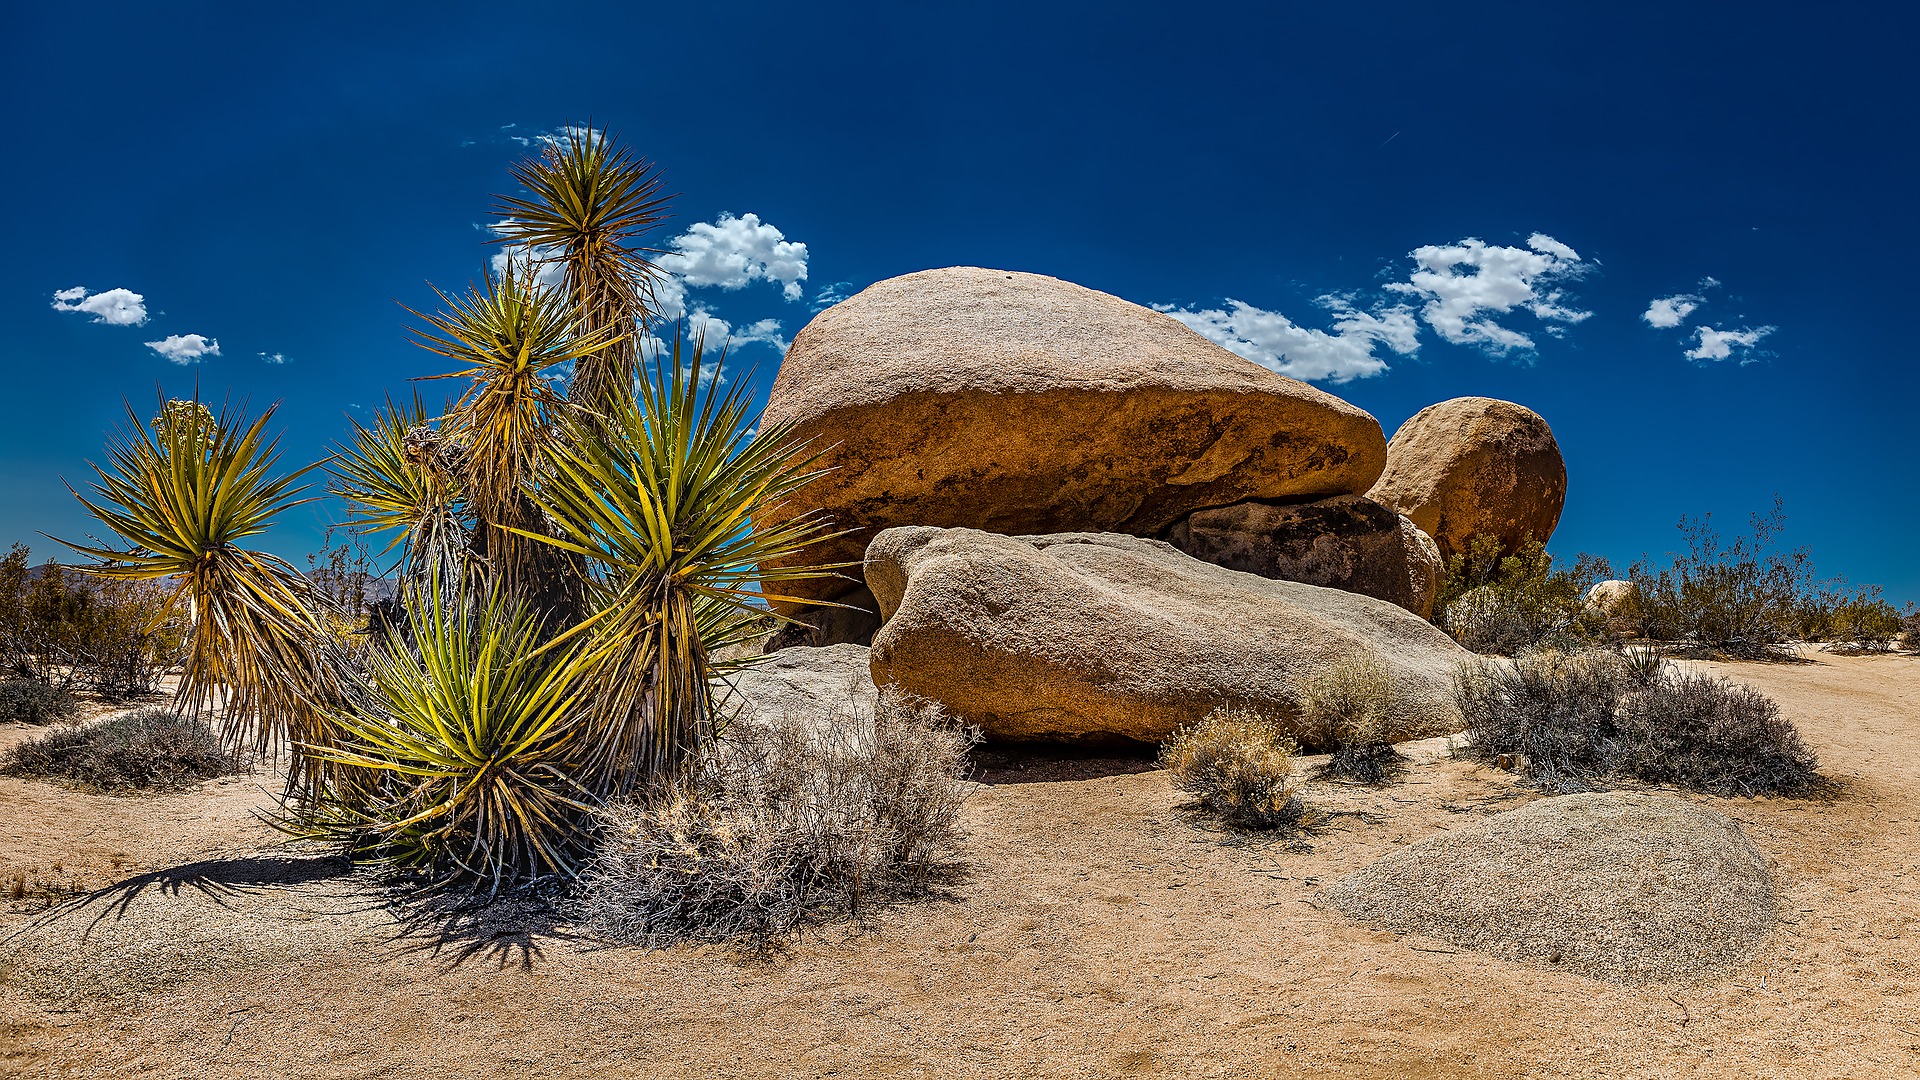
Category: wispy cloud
[274,358]
[115,307]
[832,294]
[185,348]
[1278,344]
[1463,285]
[1714,344]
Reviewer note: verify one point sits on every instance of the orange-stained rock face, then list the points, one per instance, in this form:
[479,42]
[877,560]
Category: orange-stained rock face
[1017,403]
[1475,466]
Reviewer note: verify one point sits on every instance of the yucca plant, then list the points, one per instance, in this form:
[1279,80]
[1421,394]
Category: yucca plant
[469,729]
[570,560]
[183,491]
[659,492]
[589,203]
[510,334]
[400,476]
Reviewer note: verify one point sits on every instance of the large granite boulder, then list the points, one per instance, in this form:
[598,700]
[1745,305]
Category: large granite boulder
[1019,403]
[1472,467]
[1093,635]
[1347,542]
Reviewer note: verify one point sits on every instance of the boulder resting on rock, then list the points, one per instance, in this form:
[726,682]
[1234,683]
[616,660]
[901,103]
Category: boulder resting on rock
[1019,403]
[1475,466]
[1348,542]
[1098,635]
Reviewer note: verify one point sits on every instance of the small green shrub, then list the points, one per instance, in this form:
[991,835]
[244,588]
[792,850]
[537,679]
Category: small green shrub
[1239,764]
[1910,628]
[1347,707]
[147,749]
[29,701]
[1572,719]
[1500,603]
[1746,599]
[1864,623]
[782,822]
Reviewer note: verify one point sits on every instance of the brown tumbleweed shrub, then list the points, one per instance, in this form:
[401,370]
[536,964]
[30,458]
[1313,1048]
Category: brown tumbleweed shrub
[1239,764]
[786,821]
[1575,719]
[1347,707]
[147,749]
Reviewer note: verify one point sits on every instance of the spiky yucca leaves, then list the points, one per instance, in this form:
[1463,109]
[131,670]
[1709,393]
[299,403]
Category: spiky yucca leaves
[658,492]
[588,205]
[402,477]
[471,733]
[509,334]
[182,492]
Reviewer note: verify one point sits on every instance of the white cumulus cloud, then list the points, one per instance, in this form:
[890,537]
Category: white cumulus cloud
[185,348]
[1667,312]
[1463,286]
[1713,344]
[731,252]
[115,307]
[1278,344]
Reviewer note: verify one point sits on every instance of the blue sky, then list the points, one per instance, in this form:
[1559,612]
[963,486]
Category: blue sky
[1311,184]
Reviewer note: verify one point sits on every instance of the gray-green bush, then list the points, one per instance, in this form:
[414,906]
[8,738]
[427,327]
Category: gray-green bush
[29,701]
[147,749]
[1574,719]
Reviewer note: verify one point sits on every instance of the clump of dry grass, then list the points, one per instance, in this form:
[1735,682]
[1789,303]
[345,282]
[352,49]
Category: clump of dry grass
[1239,764]
[1349,706]
[1571,719]
[147,749]
[784,822]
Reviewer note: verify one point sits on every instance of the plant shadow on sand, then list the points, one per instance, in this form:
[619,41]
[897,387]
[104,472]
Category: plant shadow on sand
[455,928]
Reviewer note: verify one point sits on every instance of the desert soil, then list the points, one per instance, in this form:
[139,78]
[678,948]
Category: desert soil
[1101,931]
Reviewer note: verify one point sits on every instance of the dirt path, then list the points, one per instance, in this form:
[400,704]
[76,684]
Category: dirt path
[1101,933]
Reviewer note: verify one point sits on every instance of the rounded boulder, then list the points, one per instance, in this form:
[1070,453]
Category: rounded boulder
[1085,636]
[1475,466]
[1018,403]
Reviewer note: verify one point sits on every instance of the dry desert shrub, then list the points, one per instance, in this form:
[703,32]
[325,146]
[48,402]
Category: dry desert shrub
[1239,764]
[1502,603]
[784,822]
[1572,719]
[29,701]
[147,749]
[1348,706]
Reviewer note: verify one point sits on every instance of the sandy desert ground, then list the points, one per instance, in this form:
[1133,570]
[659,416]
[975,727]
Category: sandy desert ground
[1101,931]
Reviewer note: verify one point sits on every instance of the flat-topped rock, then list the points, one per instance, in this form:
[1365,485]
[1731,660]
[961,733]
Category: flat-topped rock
[1085,636]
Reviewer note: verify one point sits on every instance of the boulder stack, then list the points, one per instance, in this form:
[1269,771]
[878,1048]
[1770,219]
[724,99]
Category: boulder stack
[1025,404]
